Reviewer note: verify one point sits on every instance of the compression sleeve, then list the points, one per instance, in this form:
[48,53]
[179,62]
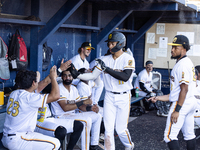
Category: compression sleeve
[142,87]
[123,76]
[90,76]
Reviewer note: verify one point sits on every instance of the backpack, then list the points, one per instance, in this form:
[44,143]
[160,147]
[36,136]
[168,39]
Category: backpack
[17,52]
[4,67]
[47,52]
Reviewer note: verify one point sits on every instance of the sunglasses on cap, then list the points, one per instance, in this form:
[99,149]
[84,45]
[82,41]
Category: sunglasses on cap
[88,48]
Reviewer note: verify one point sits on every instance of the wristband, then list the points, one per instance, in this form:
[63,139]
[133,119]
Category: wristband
[178,107]
[59,71]
[89,108]
[78,104]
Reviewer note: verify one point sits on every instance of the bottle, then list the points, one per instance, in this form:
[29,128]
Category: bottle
[137,92]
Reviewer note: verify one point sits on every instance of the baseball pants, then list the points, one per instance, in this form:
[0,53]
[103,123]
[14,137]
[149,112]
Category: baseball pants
[116,114]
[30,141]
[49,125]
[185,121]
[87,122]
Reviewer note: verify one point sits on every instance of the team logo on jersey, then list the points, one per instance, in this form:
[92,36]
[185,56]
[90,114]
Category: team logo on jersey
[110,36]
[130,62]
[183,74]
[172,78]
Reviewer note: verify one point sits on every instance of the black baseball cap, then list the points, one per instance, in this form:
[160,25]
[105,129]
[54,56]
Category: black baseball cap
[87,45]
[149,62]
[180,40]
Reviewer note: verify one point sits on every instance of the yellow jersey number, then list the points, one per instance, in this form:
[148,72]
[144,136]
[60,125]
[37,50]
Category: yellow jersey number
[14,112]
[121,82]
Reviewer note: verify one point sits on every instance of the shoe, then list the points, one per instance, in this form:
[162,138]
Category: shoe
[130,148]
[95,147]
[161,114]
[164,115]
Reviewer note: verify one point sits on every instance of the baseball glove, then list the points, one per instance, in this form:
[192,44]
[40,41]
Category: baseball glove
[73,71]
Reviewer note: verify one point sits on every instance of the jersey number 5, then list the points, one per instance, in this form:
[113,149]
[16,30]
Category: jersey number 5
[15,110]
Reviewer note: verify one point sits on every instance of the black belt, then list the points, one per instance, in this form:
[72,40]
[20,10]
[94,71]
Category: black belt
[118,92]
[11,134]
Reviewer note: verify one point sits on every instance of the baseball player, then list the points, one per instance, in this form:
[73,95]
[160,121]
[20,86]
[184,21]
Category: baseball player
[67,104]
[144,83]
[197,95]
[55,127]
[97,91]
[144,80]
[182,85]
[22,109]
[117,70]
[80,60]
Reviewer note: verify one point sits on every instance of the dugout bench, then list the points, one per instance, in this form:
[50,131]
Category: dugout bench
[137,99]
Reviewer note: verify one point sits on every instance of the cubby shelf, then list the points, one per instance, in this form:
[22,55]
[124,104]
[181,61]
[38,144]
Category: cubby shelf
[39,23]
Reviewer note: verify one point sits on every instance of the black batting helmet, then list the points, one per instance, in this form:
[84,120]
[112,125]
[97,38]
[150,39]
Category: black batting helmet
[117,37]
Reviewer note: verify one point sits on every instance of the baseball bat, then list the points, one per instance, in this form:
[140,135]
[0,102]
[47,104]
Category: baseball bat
[168,71]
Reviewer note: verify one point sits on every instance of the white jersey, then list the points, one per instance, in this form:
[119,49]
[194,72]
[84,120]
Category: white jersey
[145,78]
[197,93]
[182,72]
[85,90]
[79,63]
[70,97]
[22,109]
[125,61]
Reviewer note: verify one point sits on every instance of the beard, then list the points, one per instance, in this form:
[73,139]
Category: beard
[176,57]
[67,82]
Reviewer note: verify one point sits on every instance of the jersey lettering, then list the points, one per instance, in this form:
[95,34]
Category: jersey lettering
[15,110]
[194,76]
[171,87]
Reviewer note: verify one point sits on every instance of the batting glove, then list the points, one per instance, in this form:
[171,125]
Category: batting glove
[100,62]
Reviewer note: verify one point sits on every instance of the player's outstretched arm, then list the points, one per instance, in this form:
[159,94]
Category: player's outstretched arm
[159,98]
[90,76]
[55,92]
[65,65]
[42,84]
[123,76]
